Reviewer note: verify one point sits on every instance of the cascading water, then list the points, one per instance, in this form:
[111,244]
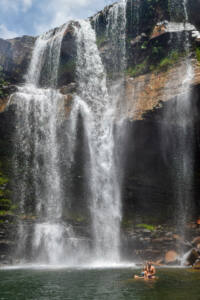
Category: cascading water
[181,116]
[98,113]
[116,35]
[36,160]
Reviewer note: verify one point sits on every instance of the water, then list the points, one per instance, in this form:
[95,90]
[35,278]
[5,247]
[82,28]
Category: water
[98,113]
[98,284]
[116,34]
[37,158]
[180,115]
[38,184]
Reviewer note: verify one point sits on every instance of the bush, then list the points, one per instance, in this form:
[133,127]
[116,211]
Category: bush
[198,53]
[146,226]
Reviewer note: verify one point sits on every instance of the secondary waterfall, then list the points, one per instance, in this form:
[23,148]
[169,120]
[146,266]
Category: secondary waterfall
[180,114]
[98,113]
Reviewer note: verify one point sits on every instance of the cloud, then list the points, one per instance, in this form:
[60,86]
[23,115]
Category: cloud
[34,17]
[60,11]
[5,33]
[26,4]
[15,5]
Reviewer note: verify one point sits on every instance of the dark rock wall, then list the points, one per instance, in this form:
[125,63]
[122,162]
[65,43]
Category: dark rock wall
[15,56]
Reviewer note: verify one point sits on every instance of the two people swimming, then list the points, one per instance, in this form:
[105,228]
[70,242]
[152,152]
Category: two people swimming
[149,272]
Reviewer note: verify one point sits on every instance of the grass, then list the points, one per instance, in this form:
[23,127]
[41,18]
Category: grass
[138,69]
[198,54]
[161,65]
[5,213]
[146,226]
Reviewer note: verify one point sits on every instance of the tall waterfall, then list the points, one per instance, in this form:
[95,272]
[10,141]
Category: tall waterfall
[36,160]
[98,113]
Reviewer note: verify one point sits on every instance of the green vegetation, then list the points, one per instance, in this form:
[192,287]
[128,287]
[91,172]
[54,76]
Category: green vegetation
[162,64]
[6,205]
[6,213]
[2,83]
[68,67]
[100,40]
[146,226]
[127,223]
[198,53]
[138,69]
[168,61]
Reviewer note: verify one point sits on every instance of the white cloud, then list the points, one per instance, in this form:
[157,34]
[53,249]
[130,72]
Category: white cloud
[5,33]
[26,4]
[15,5]
[59,12]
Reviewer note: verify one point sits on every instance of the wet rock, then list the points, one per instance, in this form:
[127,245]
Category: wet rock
[196,265]
[198,247]
[193,8]
[192,257]
[15,55]
[196,241]
[68,89]
[171,257]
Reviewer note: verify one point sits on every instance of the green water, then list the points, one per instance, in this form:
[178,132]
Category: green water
[98,284]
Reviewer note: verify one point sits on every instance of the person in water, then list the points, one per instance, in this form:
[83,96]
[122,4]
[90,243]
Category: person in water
[150,271]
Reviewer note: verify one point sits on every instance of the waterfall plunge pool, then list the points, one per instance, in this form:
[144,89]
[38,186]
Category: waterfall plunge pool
[98,284]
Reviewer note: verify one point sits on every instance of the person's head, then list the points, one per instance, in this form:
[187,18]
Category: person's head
[148,265]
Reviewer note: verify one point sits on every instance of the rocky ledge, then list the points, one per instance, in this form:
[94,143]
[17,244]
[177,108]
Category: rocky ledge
[162,245]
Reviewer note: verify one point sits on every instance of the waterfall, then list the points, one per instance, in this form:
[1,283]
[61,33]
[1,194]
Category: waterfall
[98,113]
[180,114]
[116,34]
[44,235]
[37,159]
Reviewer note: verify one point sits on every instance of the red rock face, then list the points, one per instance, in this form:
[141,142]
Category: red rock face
[146,92]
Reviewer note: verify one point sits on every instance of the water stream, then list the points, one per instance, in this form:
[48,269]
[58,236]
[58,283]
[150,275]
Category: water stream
[98,114]
[36,159]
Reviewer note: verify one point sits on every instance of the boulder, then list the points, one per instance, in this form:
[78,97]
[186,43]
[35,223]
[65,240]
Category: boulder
[171,257]
[196,241]
[196,265]
[192,257]
[68,89]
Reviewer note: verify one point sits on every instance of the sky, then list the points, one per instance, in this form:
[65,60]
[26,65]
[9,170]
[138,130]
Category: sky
[33,17]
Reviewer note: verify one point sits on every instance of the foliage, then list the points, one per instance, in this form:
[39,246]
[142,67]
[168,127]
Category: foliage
[6,205]
[198,53]
[5,213]
[138,69]
[162,64]
[2,83]
[100,40]
[146,226]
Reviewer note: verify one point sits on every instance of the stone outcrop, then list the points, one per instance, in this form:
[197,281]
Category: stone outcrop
[193,8]
[15,56]
[152,89]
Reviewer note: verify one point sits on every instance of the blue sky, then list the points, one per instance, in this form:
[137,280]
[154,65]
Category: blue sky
[32,17]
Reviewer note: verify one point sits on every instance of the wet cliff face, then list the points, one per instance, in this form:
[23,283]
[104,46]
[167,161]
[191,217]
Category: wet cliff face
[15,56]
[193,8]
